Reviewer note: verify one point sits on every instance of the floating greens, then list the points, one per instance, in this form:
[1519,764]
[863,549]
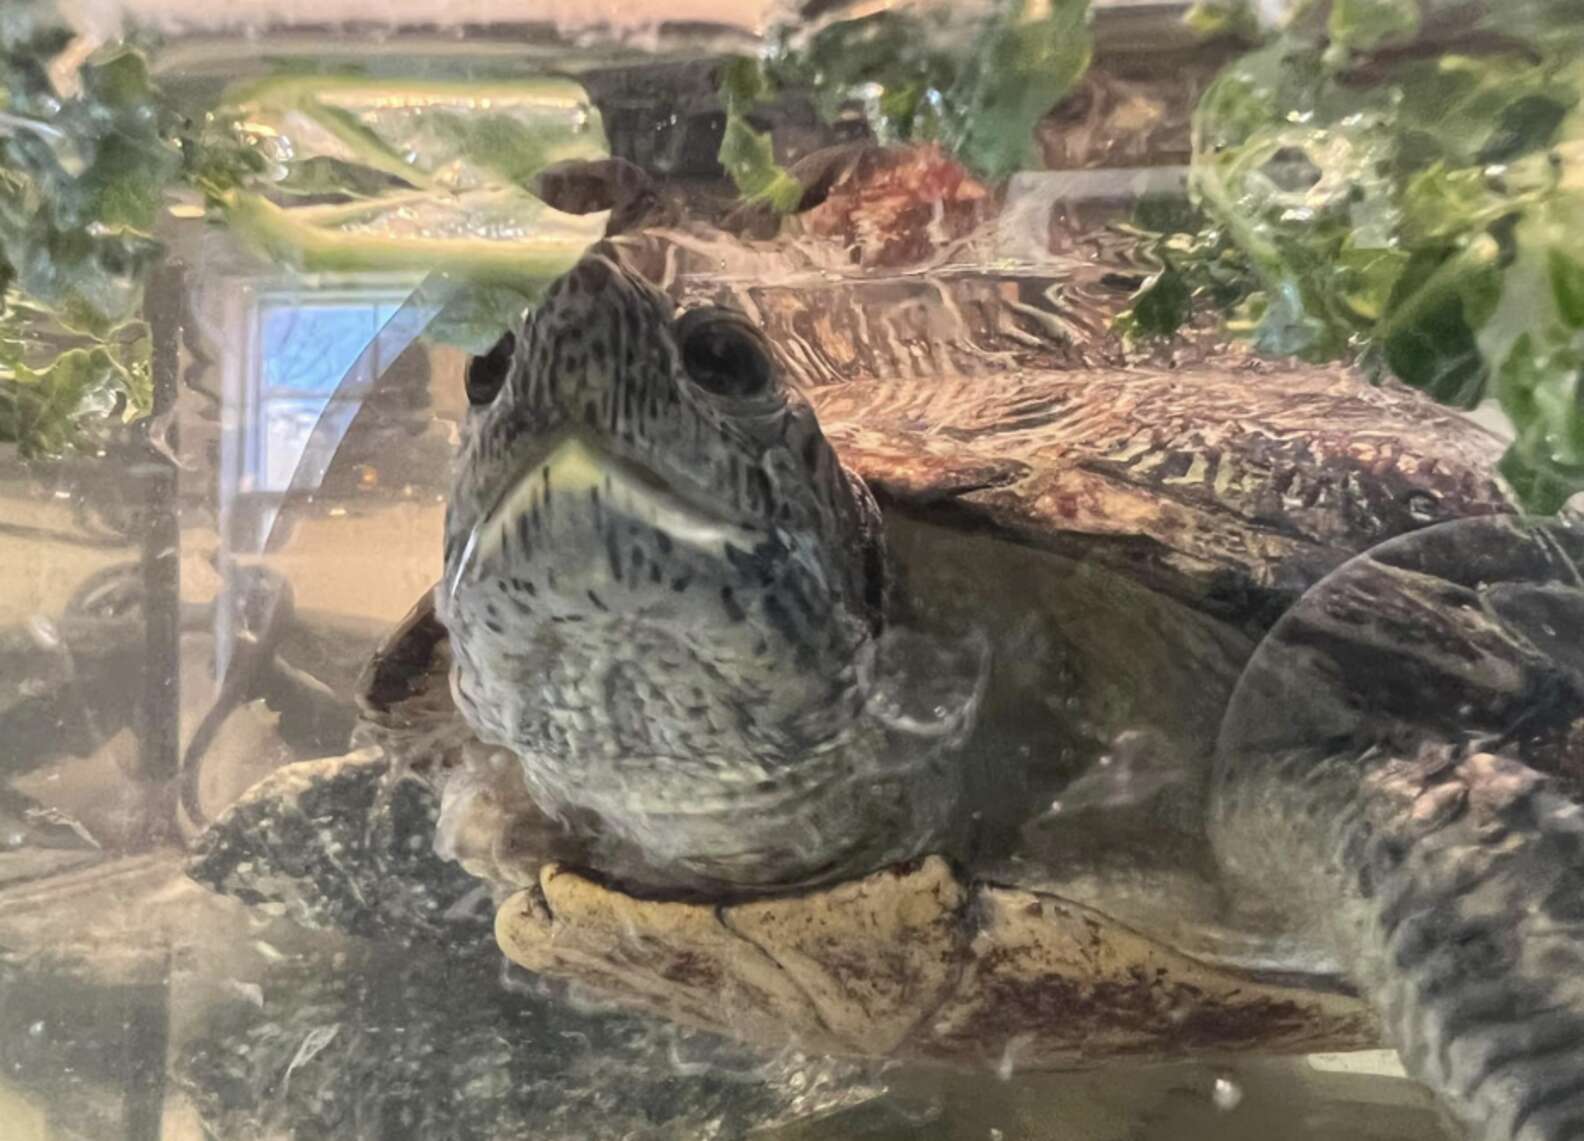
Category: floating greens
[431,176]
[1369,191]
[977,85]
[1395,181]
[325,173]
[82,174]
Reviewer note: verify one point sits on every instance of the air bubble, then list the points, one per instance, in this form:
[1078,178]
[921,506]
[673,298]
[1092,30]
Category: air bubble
[1226,1094]
[1006,1065]
[44,634]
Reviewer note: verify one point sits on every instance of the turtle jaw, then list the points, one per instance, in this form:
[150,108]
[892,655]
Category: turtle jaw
[607,485]
[578,475]
[586,536]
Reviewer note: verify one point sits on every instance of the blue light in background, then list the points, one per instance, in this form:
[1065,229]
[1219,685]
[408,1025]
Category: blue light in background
[305,353]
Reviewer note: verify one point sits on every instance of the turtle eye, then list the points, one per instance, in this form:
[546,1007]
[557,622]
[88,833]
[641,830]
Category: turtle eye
[487,373]
[724,354]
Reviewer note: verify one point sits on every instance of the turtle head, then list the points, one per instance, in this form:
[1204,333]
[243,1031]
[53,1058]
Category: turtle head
[658,575]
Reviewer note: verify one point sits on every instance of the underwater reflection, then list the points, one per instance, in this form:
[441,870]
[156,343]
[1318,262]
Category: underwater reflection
[384,1043]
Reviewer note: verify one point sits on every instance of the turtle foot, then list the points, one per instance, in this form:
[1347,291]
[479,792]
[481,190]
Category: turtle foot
[336,843]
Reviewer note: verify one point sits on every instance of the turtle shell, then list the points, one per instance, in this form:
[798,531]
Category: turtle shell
[1456,632]
[1121,536]
[1148,526]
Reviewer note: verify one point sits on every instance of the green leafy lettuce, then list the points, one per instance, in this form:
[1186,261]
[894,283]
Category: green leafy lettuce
[1417,209]
[82,175]
[746,154]
[976,85]
[319,172]
[436,176]
[57,387]
[89,150]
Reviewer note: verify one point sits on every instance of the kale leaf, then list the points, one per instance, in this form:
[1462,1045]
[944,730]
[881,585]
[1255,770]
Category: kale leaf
[418,176]
[1416,206]
[89,149]
[978,85]
[321,172]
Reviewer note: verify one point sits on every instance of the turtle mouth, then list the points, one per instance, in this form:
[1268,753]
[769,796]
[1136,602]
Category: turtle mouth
[573,473]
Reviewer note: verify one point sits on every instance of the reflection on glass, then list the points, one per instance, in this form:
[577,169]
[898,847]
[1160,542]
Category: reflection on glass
[305,351]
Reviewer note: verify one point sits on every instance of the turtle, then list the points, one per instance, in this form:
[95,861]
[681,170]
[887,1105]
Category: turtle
[916,718]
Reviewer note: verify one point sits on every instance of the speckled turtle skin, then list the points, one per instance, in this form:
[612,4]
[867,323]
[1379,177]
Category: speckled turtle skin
[1101,531]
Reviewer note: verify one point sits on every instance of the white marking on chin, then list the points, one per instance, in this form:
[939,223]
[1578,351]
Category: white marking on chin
[574,468]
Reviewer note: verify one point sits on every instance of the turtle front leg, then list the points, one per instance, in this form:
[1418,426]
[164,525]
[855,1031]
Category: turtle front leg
[1399,767]
[1476,876]
[342,843]
[1453,889]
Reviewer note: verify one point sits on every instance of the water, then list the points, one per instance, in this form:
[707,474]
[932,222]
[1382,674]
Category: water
[188,613]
